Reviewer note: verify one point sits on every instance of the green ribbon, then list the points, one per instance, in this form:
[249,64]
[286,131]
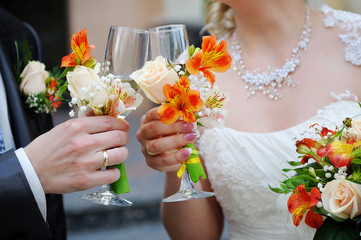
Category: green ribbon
[121,185]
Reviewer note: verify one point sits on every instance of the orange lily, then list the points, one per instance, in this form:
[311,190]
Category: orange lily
[213,57]
[183,102]
[52,84]
[81,54]
[301,201]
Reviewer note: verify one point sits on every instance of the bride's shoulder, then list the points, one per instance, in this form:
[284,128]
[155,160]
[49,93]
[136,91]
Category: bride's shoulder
[344,19]
[349,25]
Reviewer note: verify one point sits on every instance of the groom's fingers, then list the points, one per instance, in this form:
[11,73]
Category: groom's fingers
[97,124]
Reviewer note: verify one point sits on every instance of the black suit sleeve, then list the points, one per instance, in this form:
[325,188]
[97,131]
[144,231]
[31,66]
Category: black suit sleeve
[20,217]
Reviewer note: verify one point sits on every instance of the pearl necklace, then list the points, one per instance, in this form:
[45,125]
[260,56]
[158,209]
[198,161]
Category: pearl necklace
[270,81]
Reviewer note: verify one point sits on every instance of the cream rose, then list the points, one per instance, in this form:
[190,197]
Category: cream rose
[33,78]
[355,130]
[152,77]
[342,198]
[85,85]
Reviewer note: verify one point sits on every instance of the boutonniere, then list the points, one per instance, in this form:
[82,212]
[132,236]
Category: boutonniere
[38,86]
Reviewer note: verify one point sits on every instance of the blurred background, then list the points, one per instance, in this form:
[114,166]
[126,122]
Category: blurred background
[55,22]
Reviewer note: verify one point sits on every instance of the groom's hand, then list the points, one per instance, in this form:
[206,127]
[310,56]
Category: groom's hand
[70,157]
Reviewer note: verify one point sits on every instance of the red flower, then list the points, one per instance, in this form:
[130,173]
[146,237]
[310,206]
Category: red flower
[339,152]
[308,148]
[300,202]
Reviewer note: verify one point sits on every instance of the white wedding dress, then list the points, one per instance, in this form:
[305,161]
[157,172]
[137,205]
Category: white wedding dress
[241,165]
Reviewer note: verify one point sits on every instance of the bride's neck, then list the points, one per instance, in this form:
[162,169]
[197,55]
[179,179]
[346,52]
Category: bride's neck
[268,21]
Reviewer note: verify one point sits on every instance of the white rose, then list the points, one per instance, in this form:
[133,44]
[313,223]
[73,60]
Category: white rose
[33,78]
[152,77]
[342,198]
[85,85]
[355,131]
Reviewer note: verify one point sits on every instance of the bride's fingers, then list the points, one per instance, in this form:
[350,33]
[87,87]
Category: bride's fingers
[156,129]
[168,161]
[164,144]
[151,115]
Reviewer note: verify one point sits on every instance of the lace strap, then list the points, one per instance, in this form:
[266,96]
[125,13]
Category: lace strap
[351,25]
[347,95]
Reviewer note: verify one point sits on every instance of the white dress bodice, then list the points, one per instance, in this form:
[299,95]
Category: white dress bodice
[241,166]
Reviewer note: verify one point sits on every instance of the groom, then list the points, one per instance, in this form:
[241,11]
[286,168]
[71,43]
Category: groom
[20,214]
[42,165]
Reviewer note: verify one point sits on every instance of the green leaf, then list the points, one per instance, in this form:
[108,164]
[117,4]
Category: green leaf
[285,188]
[66,71]
[332,230]
[356,161]
[200,124]
[294,164]
[276,190]
[62,89]
[191,50]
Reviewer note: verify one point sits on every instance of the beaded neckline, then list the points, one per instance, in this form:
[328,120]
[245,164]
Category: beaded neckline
[270,81]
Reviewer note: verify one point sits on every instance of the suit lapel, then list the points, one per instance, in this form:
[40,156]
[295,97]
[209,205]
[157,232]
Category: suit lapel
[18,118]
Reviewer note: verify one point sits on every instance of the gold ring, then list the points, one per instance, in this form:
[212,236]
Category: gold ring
[106,159]
[147,149]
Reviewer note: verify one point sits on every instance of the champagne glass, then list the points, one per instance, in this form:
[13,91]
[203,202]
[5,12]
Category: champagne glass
[126,51]
[171,42]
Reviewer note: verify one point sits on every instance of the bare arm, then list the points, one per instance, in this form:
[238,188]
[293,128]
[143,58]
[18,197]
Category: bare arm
[194,219]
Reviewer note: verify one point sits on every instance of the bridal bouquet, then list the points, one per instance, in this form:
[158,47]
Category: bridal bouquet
[38,86]
[328,189]
[187,91]
[95,95]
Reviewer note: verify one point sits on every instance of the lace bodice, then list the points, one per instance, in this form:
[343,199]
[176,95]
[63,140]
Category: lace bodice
[242,165]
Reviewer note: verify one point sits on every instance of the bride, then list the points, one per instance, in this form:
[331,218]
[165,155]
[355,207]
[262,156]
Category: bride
[292,67]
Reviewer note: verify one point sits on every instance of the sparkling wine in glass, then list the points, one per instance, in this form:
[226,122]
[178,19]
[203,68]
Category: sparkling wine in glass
[171,42]
[126,52]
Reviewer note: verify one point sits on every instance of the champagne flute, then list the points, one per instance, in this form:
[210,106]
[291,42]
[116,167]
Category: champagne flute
[171,42]
[126,51]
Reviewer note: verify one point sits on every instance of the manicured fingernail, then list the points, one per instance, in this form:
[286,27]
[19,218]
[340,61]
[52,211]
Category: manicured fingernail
[190,136]
[185,152]
[187,127]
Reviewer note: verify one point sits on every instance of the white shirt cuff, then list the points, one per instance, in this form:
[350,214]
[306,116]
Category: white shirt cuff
[33,180]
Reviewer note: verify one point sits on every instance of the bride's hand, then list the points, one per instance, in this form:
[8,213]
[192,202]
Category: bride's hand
[160,142]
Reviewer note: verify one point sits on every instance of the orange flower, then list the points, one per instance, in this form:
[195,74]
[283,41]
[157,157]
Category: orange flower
[81,54]
[183,102]
[301,201]
[213,57]
[52,84]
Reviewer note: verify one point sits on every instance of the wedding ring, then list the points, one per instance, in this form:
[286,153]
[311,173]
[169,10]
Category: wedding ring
[106,159]
[147,149]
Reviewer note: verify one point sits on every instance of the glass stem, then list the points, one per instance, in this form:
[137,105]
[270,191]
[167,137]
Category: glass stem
[186,183]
